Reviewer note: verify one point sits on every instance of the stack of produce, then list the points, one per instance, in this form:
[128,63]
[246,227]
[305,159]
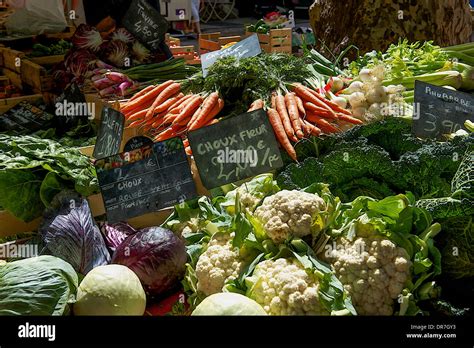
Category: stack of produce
[290,90]
[117,65]
[164,111]
[302,252]
[84,271]
[405,62]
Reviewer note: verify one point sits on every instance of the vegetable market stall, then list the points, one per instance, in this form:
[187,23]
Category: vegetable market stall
[358,215]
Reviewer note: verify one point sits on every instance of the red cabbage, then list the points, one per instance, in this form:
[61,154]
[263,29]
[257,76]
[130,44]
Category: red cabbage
[156,255]
[115,234]
[71,234]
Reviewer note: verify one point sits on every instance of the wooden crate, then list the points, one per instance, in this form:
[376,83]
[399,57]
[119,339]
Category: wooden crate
[14,77]
[7,103]
[172,41]
[12,59]
[277,41]
[35,72]
[64,35]
[47,60]
[186,52]
[214,41]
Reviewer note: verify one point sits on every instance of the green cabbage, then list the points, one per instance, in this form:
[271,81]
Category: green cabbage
[110,290]
[43,285]
[228,303]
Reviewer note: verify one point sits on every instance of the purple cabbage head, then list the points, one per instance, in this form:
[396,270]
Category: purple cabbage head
[115,234]
[156,255]
[70,233]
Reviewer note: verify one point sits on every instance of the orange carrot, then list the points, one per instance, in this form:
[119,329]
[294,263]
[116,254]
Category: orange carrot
[285,118]
[319,111]
[211,122]
[257,104]
[308,95]
[206,120]
[273,102]
[136,123]
[349,119]
[294,114]
[180,106]
[306,128]
[280,132]
[167,104]
[300,105]
[206,107]
[151,95]
[137,108]
[142,92]
[313,130]
[139,115]
[169,91]
[186,142]
[186,114]
[323,124]
[188,150]
[166,134]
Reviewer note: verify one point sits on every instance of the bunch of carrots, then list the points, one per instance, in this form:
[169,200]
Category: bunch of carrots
[303,112]
[164,111]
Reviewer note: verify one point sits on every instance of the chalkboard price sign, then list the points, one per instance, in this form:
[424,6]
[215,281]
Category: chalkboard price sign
[137,142]
[250,47]
[439,110]
[25,118]
[145,180]
[146,24]
[234,149]
[110,133]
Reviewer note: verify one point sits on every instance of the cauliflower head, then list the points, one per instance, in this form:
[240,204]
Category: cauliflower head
[372,269]
[283,287]
[289,213]
[217,265]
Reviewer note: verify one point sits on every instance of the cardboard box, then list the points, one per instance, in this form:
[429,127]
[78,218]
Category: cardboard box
[176,10]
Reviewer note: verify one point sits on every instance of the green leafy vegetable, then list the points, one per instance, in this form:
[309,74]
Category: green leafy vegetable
[32,170]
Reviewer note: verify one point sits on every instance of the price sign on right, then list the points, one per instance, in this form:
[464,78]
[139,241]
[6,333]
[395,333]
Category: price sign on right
[439,110]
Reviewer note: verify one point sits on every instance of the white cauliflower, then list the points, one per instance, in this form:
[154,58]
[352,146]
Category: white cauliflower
[372,269]
[283,287]
[217,265]
[290,213]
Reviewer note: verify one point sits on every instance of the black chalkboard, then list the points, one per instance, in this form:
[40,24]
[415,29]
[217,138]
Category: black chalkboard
[439,110]
[145,180]
[110,133]
[234,149]
[250,47]
[25,118]
[136,143]
[146,24]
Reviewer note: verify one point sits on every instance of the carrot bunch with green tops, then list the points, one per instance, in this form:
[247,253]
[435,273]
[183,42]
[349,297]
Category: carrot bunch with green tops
[164,111]
[303,112]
